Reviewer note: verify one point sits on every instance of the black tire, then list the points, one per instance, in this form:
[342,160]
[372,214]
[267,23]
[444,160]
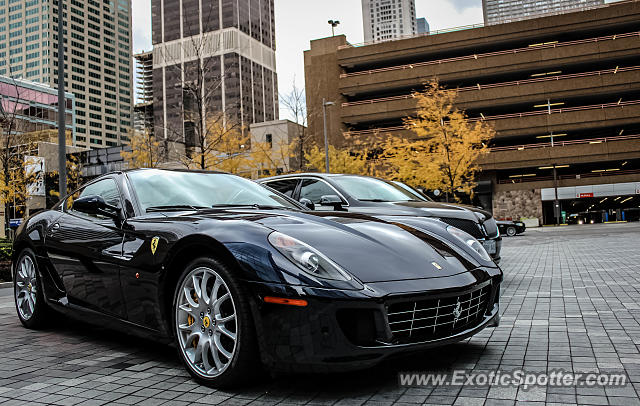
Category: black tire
[245,362]
[39,316]
[511,231]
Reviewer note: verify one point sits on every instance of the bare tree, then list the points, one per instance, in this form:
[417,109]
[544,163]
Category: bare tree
[204,123]
[296,104]
[15,137]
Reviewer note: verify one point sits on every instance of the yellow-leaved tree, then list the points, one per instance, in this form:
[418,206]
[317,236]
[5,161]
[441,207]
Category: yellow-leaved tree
[74,176]
[444,149]
[340,160]
[146,150]
[272,158]
[225,148]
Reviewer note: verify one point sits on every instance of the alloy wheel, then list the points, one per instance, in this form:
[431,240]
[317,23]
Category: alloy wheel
[511,231]
[206,323]
[26,287]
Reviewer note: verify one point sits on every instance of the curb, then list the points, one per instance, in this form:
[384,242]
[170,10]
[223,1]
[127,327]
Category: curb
[6,285]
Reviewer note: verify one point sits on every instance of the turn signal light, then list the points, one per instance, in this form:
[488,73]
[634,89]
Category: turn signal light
[285,301]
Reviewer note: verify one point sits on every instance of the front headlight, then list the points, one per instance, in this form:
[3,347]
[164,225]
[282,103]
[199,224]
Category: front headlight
[470,241]
[307,258]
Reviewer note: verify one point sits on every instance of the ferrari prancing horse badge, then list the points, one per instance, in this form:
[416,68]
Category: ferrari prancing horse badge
[154,244]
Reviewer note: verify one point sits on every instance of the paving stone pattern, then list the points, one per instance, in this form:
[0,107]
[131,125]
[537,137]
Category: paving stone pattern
[570,300]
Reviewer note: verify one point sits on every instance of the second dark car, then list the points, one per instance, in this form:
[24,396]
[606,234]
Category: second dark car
[373,196]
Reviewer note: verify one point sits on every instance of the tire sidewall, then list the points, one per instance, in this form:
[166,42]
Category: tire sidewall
[38,318]
[245,342]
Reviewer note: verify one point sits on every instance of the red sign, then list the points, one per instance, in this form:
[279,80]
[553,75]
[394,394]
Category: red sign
[584,195]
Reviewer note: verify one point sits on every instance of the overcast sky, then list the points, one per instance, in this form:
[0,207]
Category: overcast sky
[299,21]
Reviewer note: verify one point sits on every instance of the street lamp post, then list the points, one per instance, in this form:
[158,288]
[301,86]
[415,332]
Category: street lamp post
[333,24]
[325,104]
[556,202]
[62,107]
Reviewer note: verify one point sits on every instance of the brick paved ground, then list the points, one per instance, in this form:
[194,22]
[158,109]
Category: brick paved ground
[570,300]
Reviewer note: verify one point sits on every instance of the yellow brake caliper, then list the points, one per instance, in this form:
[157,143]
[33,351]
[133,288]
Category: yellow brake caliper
[191,320]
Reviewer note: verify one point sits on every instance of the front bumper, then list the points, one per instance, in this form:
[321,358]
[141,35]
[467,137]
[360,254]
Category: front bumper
[347,330]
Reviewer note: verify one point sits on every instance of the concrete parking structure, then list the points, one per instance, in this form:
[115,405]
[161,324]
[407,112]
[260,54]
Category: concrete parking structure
[570,301]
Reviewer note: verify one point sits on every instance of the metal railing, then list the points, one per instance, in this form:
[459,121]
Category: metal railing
[495,53]
[620,104]
[409,36]
[555,111]
[527,179]
[502,84]
[556,144]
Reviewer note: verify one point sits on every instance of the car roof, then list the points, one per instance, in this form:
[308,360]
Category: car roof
[173,170]
[309,174]
[120,172]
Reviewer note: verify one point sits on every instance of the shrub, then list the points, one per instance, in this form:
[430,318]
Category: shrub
[6,248]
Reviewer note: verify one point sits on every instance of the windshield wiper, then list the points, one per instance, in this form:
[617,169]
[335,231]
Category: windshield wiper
[175,207]
[251,206]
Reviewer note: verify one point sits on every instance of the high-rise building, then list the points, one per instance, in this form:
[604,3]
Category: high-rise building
[98,59]
[225,48]
[384,20]
[506,11]
[143,109]
[422,25]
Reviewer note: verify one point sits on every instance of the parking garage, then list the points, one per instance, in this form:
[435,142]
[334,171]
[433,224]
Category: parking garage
[614,202]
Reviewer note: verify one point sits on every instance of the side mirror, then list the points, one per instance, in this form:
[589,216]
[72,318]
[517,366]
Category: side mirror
[331,200]
[307,203]
[96,205]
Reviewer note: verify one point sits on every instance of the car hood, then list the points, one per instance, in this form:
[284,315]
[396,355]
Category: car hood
[369,248]
[428,209]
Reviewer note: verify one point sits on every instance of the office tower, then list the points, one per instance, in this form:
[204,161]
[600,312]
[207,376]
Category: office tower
[143,109]
[422,25]
[505,11]
[385,20]
[224,48]
[98,59]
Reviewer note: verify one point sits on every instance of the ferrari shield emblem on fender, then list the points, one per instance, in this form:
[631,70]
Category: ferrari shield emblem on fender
[437,266]
[154,244]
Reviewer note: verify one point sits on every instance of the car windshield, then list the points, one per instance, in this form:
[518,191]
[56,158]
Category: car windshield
[413,191]
[167,189]
[374,190]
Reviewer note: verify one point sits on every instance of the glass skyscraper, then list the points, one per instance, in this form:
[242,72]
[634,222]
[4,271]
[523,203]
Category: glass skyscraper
[98,59]
[505,11]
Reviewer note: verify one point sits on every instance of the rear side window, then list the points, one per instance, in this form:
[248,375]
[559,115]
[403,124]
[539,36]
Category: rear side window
[314,189]
[285,186]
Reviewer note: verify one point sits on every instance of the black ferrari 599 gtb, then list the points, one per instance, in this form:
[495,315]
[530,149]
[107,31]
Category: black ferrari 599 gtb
[235,274]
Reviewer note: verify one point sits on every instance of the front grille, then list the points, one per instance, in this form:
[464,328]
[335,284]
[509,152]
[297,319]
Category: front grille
[429,319]
[467,226]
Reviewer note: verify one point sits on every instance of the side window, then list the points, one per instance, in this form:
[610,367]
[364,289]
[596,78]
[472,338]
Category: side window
[314,189]
[105,188]
[285,186]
